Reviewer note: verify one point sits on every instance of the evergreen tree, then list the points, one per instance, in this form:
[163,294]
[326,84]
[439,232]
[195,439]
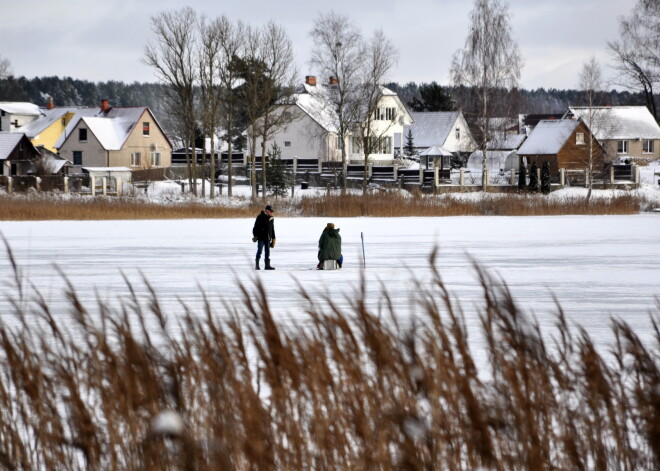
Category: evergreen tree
[410,145]
[533,178]
[279,177]
[545,178]
[522,179]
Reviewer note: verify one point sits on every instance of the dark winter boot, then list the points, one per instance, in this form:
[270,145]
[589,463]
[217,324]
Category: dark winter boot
[257,264]
[268,267]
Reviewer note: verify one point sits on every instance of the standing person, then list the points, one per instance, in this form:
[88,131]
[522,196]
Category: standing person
[263,234]
[329,246]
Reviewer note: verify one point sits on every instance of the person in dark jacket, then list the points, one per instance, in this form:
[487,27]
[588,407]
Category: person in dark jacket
[329,246]
[263,233]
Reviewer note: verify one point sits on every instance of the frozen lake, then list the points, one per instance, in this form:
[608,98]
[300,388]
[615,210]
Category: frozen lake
[597,266]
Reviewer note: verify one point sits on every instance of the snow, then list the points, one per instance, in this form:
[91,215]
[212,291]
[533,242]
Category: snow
[596,266]
[619,122]
[548,137]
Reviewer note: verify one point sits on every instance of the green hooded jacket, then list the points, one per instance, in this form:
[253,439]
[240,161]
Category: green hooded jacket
[329,245]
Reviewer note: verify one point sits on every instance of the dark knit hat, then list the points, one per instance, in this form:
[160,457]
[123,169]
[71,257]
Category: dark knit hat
[330,226]
[270,208]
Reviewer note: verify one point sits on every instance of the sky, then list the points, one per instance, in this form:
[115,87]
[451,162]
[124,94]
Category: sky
[104,40]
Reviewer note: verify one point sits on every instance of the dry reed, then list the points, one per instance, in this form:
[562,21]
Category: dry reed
[348,389]
[388,204]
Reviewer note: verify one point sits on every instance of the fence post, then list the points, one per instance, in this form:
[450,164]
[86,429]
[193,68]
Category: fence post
[461,177]
[10,186]
[369,169]
[295,165]
[436,176]
[37,183]
[421,175]
[611,174]
[538,175]
[512,179]
[635,172]
[104,186]
[562,177]
[320,166]
[92,183]
[395,172]
[66,185]
[118,186]
[486,178]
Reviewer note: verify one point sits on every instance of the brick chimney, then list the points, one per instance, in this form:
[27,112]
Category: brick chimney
[50,104]
[105,105]
[333,80]
[310,80]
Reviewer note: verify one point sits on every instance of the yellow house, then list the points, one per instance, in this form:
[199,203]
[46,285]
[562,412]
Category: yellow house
[47,129]
[115,137]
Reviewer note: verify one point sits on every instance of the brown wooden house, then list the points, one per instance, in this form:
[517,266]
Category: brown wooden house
[17,154]
[563,143]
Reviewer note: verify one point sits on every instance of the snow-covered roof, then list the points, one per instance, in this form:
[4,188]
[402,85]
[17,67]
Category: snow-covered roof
[506,142]
[435,151]
[22,108]
[8,142]
[47,118]
[111,127]
[431,128]
[548,137]
[618,122]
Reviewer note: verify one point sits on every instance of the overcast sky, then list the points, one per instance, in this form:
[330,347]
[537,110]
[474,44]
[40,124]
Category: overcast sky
[104,40]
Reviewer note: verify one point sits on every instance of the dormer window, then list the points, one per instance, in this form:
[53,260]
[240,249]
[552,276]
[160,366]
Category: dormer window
[579,138]
[82,135]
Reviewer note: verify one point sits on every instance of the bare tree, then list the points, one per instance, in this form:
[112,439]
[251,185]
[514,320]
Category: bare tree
[489,63]
[591,84]
[637,52]
[231,44]
[369,126]
[172,54]
[210,50]
[268,73]
[338,52]
[5,68]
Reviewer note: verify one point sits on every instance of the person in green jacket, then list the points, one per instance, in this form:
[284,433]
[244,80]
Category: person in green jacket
[329,246]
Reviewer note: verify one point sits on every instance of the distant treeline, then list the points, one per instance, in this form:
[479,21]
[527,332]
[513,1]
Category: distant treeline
[67,91]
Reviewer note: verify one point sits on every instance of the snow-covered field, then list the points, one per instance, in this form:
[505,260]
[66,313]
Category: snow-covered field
[597,267]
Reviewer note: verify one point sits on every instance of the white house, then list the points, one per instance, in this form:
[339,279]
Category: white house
[624,131]
[446,129]
[312,131]
[13,115]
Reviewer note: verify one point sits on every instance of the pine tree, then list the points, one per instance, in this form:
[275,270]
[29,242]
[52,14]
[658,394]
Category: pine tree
[522,179]
[410,145]
[545,178]
[533,178]
[279,177]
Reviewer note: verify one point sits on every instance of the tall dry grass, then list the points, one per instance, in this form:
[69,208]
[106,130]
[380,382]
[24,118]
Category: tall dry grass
[350,388]
[389,204]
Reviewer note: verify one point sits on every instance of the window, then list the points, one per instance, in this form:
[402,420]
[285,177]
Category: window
[579,138]
[155,159]
[287,143]
[135,159]
[647,146]
[357,145]
[77,157]
[622,147]
[385,114]
[458,133]
[145,128]
[82,135]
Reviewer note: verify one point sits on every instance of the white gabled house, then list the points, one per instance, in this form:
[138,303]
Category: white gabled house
[312,131]
[625,132]
[446,129]
[13,115]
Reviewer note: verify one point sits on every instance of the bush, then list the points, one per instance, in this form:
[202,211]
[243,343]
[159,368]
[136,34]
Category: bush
[545,178]
[533,178]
